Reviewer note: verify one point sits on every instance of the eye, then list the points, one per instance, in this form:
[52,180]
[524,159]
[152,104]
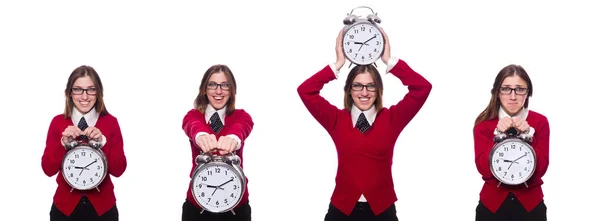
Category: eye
[211,84]
[521,89]
[371,86]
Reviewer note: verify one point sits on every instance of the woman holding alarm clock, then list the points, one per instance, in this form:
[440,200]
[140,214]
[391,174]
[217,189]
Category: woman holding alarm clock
[85,117]
[214,125]
[365,132]
[508,111]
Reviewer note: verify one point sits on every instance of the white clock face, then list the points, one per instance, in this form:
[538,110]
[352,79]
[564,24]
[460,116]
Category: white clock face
[83,168]
[363,43]
[217,187]
[513,162]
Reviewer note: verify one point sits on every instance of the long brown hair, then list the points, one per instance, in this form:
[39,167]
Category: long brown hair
[201,100]
[491,111]
[80,72]
[359,69]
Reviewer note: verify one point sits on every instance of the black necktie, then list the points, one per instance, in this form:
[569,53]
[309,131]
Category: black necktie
[82,126]
[362,124]
[215,123]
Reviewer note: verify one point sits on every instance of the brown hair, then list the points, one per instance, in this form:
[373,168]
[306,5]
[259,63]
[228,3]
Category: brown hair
[80,72]
[491,111]
[359,69]
[201,100]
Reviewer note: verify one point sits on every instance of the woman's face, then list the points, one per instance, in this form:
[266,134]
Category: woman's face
[83,94]
[363,91]
[217,90]
[513,92]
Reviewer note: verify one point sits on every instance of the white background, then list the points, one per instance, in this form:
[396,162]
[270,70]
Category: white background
[151,56]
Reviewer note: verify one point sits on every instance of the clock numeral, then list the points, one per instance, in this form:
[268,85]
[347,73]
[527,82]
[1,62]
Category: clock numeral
[375,50]
[95,174]
[202,194]
[512,146]
[71,175]
[499,168]
[76,156]
[505,148]
[370,56]
[225,201]
[520,174]
[350,50]
[69,168]
[512,176]
[83,154]
[199,185]
[204,178]
[217,202]
[526,168]
[497,160]
[364,28]
[501,154]
[72,161]
[83,181]
[355,31]
[528,162]
[351,36]
[99,167]
[209,199]
[348,43]
[504,174]
[232,195]
[77,179]
[377,43]
[217,170]
[235,187]
[209,173]
[91,179]
[225,172]
[520,148]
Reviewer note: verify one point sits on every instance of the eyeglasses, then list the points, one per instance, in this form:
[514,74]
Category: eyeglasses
[508,90]
[214,86]
[359,87]
[79,91]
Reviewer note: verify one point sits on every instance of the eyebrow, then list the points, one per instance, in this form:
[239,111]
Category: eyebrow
[218,83]
[506,85]
[83,87]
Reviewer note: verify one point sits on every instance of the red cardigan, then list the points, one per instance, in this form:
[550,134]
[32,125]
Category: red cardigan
[492,196]
[365,160]
[102,201]
[238,123]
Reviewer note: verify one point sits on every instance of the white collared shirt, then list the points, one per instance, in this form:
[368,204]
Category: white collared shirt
[210,110]
[370,114]
[90,117]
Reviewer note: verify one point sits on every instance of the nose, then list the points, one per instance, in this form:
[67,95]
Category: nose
[84,95]
[219,90]
[513,95]
[364,92]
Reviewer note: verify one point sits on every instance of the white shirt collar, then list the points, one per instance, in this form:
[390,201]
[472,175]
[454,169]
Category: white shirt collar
[370,114]
[211,110]
[521,114]
[91,117]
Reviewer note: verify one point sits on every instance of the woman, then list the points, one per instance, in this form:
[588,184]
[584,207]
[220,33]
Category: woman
[365,132]
[508,109]
[84,107]
[215,125]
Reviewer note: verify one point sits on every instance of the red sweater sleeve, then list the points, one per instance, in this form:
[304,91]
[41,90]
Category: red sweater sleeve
[242,126]
[484,141]
[194,123]
[54,151]
[324,112]
[541,145]
[418,92]
[113,149]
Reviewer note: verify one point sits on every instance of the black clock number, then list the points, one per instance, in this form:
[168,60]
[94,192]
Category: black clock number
[99,167]
[202,194]
[72,161]
[217,203]
[209,173]
[76,156]
[83,154]
[91,180]
[225,201]
[217,170]
[351,36]
[501,154]
[235,187]
[204,178]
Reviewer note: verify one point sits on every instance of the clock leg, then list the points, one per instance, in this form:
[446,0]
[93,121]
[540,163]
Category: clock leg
[98,189]
[499,184]
[526,184]
[70,191]
[201,210]
[232,212]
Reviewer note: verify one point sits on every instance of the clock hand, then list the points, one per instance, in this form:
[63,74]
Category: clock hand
[86,166]
[226,182]
[520,157]
[211,186]
[370,39]
[358,43]
[76,167]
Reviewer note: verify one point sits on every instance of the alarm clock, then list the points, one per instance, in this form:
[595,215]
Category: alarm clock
[512,159]
[218,182]
[363,41]
[84,165]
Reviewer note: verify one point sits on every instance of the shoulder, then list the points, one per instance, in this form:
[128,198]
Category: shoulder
[108,118]
[59,117]
[193,111]
[537,116]
[240,112]
[486,126]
